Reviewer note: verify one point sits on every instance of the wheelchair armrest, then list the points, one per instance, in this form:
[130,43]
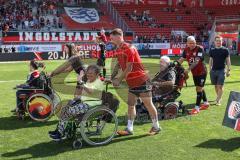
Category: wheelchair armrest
[20,86]
[175,87]
[31,89]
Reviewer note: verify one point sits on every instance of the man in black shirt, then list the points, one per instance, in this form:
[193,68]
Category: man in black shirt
[219,57]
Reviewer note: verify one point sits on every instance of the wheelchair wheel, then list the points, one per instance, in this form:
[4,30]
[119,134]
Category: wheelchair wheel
[20,115]
[98,126]
[77,144]
[39,107]
[171,110]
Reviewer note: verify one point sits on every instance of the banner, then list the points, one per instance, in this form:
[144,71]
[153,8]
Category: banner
[82,15]
[178,45]
[176,51]
[121,1]
[52,55]
[142,46]
[214,3]
[61,37]
[238,40]
[27,56]
[230,2]
[88,47]
[232,113]
[31,48]
[184,45]
[162,2]
[96,54]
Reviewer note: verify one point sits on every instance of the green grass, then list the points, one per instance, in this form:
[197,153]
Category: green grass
[191,137]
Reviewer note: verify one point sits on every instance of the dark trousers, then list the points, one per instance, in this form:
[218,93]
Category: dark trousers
[19,101]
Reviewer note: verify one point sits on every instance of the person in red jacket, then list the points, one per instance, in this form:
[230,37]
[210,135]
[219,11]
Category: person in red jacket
[137,79]
[194,55]
[32,82]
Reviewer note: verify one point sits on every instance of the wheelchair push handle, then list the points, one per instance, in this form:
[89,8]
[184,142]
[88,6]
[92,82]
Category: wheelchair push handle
[107,82]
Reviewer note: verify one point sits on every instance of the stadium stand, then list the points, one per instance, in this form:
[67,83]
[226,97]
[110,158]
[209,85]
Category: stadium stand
[29,15]
[150,22]
[162,19]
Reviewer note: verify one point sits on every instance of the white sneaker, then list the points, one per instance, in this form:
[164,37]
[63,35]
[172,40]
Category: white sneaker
[206,103]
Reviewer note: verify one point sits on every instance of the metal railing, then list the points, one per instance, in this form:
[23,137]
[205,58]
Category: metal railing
[117,17]
[227,18]
[212,34]
[231,18]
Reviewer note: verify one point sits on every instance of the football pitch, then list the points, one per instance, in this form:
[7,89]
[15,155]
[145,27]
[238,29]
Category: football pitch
[197,137]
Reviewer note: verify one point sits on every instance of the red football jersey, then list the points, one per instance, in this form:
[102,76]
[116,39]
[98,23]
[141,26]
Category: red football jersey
[191,55]
[128,53]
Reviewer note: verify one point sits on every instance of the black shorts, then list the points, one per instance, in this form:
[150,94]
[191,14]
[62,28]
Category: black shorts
[199,80]
[101,62]
[145,87]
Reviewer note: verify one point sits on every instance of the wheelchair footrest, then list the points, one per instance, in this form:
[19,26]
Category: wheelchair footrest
[22,96]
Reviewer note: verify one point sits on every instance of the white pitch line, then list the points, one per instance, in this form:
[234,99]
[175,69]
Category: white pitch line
[13,62]
[28,61]
[25,80]
[12,81]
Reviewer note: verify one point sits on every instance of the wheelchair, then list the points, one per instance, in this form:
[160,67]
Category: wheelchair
[97,126]
[166,104]
[39,103]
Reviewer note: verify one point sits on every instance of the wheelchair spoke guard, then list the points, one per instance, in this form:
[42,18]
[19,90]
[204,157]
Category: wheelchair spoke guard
[39,107]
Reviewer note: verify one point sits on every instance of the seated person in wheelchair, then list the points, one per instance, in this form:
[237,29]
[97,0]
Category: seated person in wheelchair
[32,82]
[89,96]
[163,82]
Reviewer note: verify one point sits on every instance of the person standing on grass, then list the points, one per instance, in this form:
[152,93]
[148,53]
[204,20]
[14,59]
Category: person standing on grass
[194,55]
[102,40]
[219,57]
[137,79]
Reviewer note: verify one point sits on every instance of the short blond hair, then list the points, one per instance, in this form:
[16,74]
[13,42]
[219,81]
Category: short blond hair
[218,36]
[117,31]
